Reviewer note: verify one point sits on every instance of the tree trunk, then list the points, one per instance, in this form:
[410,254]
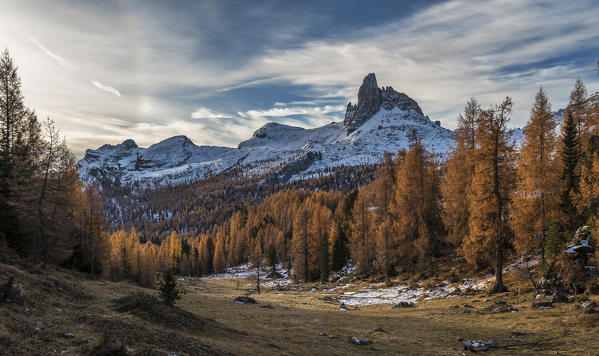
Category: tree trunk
[499,286]
[258,278]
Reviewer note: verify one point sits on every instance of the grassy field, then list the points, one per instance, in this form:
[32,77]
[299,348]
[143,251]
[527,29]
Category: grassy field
[65,313]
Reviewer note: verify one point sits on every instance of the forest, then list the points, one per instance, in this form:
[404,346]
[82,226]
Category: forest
[488,203]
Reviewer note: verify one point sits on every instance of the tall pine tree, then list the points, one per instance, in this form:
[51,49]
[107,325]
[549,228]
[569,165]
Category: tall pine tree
[570,178]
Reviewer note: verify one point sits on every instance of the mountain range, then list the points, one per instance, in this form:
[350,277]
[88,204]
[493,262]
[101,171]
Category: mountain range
[381,121]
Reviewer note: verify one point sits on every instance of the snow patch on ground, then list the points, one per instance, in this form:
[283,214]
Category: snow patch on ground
[394,295]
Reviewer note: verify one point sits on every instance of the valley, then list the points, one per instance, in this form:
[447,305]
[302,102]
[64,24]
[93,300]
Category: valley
[70,314]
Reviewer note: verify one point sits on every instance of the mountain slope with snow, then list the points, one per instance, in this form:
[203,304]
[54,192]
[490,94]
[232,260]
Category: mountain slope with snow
[381,121]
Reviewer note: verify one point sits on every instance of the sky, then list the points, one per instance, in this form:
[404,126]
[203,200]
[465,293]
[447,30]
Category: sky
[216,71]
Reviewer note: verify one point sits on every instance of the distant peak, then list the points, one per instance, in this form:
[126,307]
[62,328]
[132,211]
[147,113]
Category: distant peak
[129,143]
[370,100]
[370,81]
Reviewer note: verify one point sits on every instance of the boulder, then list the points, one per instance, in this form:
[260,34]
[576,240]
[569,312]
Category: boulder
[542,305]
[245,300]
[357,341]
[404,305]
[589,307]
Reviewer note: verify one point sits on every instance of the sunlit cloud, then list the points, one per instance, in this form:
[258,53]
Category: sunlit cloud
[105,88]
[60,60]
[206,113]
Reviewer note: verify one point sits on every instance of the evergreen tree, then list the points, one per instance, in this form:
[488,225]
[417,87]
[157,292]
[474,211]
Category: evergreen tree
[324,258]
[19,147]
[570,157]
[167,290]
[536,199]
[587,201]
[555,241]
[577,107]
[271,257]
[340,252]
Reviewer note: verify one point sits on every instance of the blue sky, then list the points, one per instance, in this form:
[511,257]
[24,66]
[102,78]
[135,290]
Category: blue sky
[218,70]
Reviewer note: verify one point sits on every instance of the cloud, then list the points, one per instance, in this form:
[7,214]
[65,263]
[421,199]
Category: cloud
[247,84]
[205,60]
[60,60]
[105,88]
[206,113]
[450,52]
[293,111]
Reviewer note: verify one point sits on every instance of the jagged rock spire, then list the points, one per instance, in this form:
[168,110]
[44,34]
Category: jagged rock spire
[370,100]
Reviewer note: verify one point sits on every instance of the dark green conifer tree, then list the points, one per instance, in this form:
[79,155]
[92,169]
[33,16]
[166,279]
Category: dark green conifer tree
[340,250]
[570,156]
[167,290]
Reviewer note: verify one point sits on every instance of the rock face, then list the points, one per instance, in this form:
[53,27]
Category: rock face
[371,99]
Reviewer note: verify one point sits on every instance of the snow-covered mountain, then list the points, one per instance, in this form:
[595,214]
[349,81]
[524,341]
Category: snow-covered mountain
[379,122]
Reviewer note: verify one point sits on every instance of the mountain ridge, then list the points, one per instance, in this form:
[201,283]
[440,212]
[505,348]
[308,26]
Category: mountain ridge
[381,121]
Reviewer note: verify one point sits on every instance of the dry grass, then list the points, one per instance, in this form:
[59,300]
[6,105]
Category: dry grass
[282,323]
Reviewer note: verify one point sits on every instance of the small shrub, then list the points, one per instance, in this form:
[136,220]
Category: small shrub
[167,291]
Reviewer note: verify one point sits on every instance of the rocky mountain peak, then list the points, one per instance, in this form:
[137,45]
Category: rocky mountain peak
[371,99]
[129,143]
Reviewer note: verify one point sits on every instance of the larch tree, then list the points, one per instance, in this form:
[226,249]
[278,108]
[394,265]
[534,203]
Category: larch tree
[362,242]
[458,172]
[175,252]
[319,229]
[220,261]
[416,207]
[386,243]
[302,250]
[535,201]
[491,190]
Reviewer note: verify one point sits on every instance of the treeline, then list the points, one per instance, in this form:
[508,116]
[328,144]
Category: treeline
[487,202]
[46,213]
[286,225]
